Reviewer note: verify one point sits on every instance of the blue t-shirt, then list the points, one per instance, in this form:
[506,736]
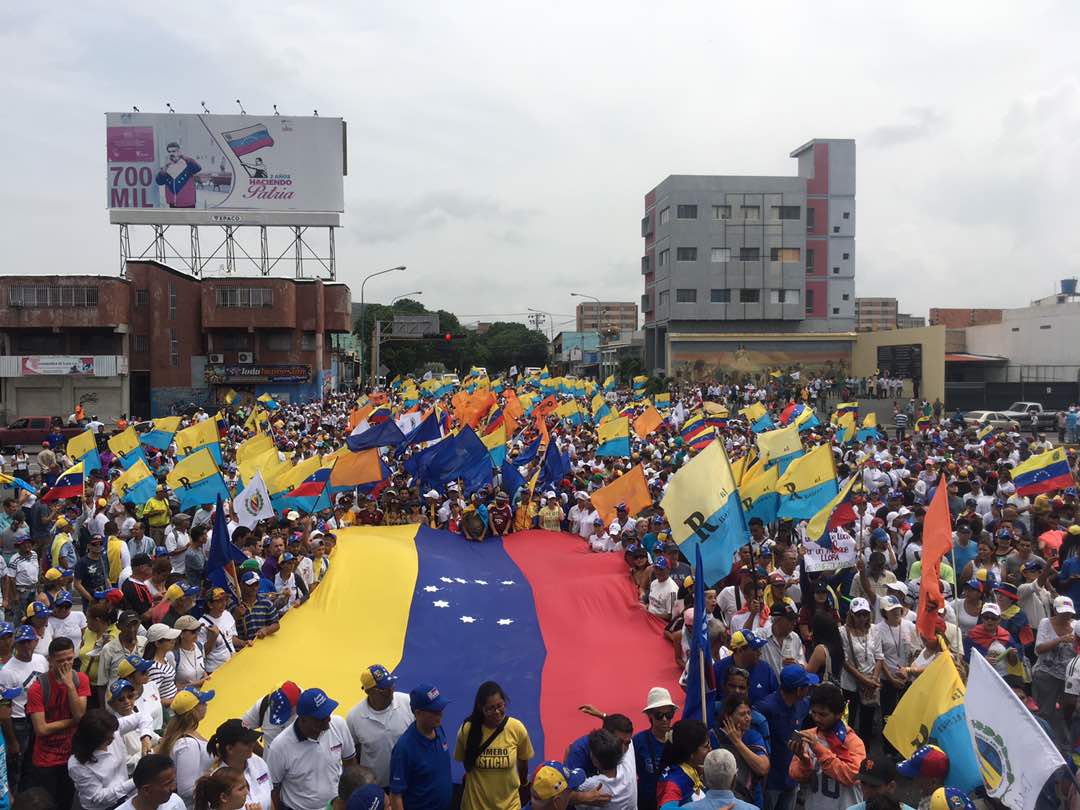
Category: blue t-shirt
[1071,568]
[763,680]
[963,555]
[647,754]
[783,721]
[577,756]
[420,770]
[649,541]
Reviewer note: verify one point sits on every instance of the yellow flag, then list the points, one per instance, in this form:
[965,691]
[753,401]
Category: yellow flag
[124,442]
[753,411]
[870,420]
[254,447]
[937,690]
[808,471]
[269,463]
[773,444]
[496,438]
[758,485]
[198,435]
[715,409]
[78,446]
[133,475]
[192,468]
[815,529]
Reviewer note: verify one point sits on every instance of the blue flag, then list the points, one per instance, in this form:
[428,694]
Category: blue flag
[462,456]
[700,689]
[224,556]
[381,435]
[426,431]
[528,453]
[556,465]
[512,480]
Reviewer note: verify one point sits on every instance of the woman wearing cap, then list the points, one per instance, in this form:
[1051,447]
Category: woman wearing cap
[138,741]
[233,746]
[899,645]
[680,775]
[969,608]
[188,656]
[37,616]
[147,698]
[67,622]
[184,744]
[495,750]
[1054,643]
[98,765]
[218,633]
[864,659]
[160,646]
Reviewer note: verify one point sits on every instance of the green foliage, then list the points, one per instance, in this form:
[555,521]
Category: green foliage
[503,345]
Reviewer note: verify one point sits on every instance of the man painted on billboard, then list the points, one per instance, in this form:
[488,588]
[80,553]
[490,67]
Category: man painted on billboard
[178,177]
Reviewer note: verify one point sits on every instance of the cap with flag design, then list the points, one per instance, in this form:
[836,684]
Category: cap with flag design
[553,779]
[928,761]
[188,699]
[377,677]
[950,798]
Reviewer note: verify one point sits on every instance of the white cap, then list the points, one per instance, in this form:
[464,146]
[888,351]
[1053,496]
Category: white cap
[659,698]
[431,494]
[990,607]
[581,495]
[1064,604]
[859,605]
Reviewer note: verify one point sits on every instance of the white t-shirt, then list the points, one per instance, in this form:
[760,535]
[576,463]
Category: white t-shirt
[192,761]
[622,787]
[376,732]
[174,541]
[72,627]
[899,644]
[174,803]
[862,652]
[662,596]
[18,673]
[225,645]
[308,770]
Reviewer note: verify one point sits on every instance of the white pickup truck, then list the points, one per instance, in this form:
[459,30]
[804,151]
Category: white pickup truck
[1031,415]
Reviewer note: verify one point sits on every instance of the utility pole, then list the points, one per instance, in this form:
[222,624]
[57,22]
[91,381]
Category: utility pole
[536,320]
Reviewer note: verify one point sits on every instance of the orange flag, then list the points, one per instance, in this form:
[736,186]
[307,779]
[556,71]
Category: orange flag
[937,541]
[512,405]
[630,489]
[358,415]
[354,469]
[476,408]
[649,420]
[548,405]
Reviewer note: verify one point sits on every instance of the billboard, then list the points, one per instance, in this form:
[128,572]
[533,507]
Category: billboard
[55,364]
[173,165]
[262,373]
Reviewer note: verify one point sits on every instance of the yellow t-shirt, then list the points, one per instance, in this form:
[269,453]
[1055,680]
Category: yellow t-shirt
[493,784]
[551,518]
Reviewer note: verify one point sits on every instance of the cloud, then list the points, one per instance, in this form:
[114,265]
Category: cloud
[391,222]
[926,121]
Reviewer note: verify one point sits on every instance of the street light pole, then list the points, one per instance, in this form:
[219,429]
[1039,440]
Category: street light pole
[405,295]
[599,333]
[363,312]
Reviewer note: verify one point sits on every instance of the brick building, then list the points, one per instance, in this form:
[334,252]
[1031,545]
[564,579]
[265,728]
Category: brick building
[160,339]
[957,318]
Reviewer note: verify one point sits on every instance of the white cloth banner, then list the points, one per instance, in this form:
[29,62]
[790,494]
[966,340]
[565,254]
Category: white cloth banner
[841,555]
[253,504]
[1014,753]
[408,422]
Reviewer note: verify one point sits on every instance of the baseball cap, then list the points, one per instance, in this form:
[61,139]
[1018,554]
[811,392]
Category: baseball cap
[25,633]
[1064,604]
[746,638]
[188,699]
[250,578]
[949,798]
[315,703]
[63,598]
[929,761]
[233,731]
[1008,590]
[990,607]
[38,610]
[292,515]
[794,676]
[859,605]
[53,574]
[7,629]
[888,603]
[366,797]
[133,663]
[178,591]
[552,779]
[127,617]
[426,697]
[215,594]
[118,686]
[282,701]
[377,677]
[877,772]
[661,564]
[186,622]
[1033,565]
[158,631]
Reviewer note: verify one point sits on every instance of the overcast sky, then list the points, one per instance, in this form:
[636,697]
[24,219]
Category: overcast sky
[502,150]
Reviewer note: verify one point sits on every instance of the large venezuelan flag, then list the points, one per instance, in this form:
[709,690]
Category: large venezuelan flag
[555,625]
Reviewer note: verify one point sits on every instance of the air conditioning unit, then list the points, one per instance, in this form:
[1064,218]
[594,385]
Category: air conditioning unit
[217,359]
[245,357]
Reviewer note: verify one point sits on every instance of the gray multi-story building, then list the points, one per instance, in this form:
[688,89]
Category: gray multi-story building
[729,255]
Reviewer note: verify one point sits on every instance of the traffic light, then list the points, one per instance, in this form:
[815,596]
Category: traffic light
[447,337]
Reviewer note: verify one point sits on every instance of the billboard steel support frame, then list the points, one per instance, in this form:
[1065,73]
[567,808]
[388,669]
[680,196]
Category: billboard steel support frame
[303,253]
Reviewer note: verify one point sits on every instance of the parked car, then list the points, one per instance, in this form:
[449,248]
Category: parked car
[1031,414]
[995,419]
[32,430]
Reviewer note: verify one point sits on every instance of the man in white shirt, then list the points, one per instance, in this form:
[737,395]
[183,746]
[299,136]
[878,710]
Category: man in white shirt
[177,541]
[663,592]
[616,770]
[784,645]
[377,721]
[155,785]
[307,758]
[581,515]
[19,672]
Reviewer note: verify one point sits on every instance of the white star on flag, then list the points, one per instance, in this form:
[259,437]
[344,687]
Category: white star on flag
[505,621]
[507,582]
[467,620]
[462,581]
[431,588]
[441,603]
[445,579]
[480,581]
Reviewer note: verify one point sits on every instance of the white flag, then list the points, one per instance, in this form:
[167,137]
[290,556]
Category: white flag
[253,504]
[1014,753]
[408,422]
[513,371]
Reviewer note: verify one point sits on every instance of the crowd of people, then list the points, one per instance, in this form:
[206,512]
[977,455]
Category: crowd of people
[114,630]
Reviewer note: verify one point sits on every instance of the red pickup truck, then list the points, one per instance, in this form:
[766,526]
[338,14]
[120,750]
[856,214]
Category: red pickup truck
[32,430]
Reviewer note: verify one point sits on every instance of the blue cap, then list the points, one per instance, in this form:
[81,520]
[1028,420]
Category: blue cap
[138,663]
[250,578]
[38,610]
[12,693]
[63,598]
[118,686]
[1030,565]
[161,551]
[1070,491]
[315,703]
[746,638]
[7,629]
[661,564]
[26,633]
[426,697]
[879,534]
[368,797]
[1004,534]
[794,676]
[895,493]
[377,677]
[286,557]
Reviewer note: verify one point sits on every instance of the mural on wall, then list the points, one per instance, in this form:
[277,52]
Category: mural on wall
[751,361]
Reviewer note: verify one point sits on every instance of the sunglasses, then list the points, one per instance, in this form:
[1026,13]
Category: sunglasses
[667,715]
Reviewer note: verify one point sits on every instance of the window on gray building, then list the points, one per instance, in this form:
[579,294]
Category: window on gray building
[686,254]
[663,257]
[686,212]
[784,296]
[720,296]
[786,211]
[684,295]
[836,271]
[665,216]
[836,310]
[751,213]
[645,266]
[749,296]
[847,215]
[646,226]
[664,296]
[847,297]
[749,254]
[784,254]
[846,256]
[836,229]
[720,255]
[721,212]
